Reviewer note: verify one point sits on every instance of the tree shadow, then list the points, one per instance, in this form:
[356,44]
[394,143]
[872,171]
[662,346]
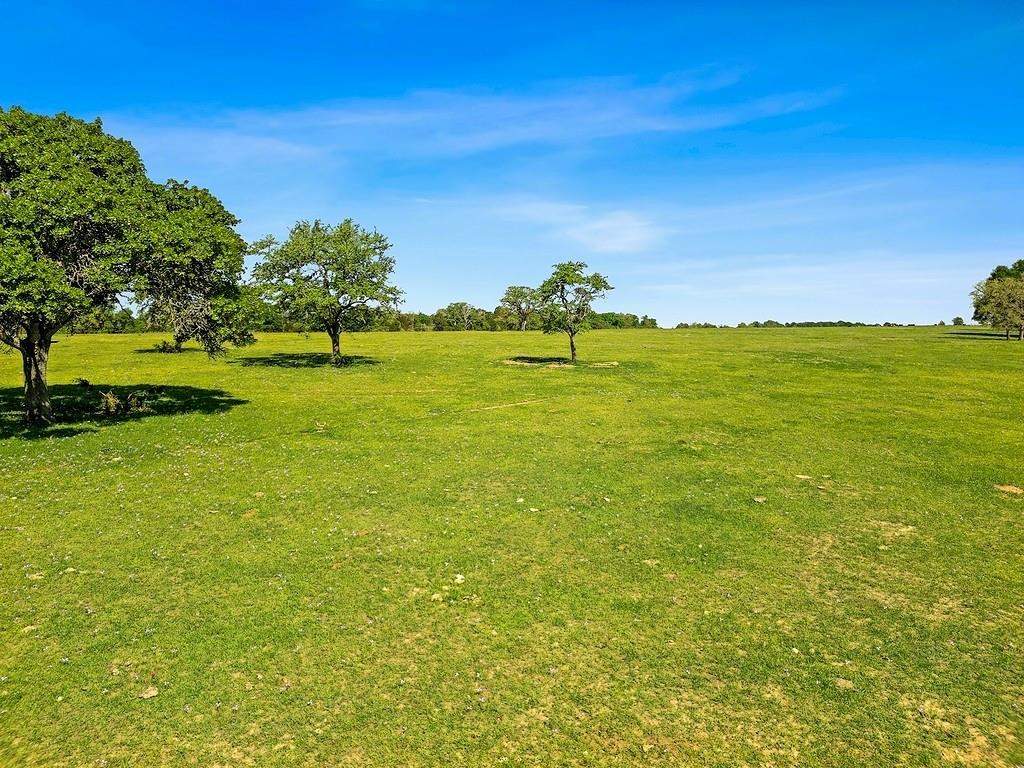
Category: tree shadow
[305,360]
[78,407]
[970,335]
[533,360]
[158,351]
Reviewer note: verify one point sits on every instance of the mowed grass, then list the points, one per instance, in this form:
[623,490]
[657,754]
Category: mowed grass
[736,547]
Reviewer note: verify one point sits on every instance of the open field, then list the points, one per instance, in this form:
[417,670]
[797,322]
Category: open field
[760,547]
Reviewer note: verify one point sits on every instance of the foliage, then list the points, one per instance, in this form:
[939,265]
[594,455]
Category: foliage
[192,286]
[999,302]
[1002,271]
[620,320]
[958,320]
[109,319]
[329,277]
[458,316]
[567,298]
[523,302]
[81,224]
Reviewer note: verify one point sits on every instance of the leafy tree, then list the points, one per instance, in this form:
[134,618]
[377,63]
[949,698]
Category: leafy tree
[1000,303]
[1014,270]
[459,316]
[522,301]
[958,320]
[81,224]
[503,319]
[998,273]
[567,297]
[329,277]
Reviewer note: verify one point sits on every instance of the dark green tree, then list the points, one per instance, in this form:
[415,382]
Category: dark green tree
[567,298]
[81,224]
[329,277]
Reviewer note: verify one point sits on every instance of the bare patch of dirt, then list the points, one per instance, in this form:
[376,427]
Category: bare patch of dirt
[508,405]
[1011,489]
[891,531]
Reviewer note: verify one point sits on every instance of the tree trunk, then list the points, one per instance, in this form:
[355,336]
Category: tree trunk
[335,342]
[1020,333]
[35,353]
[522,323]
[572,346]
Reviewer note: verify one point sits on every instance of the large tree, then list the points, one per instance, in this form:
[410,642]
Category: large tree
[567,299]
[329,277]
[1000,303]
[81,224]
[522,301]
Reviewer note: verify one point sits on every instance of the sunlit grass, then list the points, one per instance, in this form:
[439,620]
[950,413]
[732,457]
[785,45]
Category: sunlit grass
[708,547]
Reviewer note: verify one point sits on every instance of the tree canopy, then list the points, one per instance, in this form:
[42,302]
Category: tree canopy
[1000,303]
[567,298]
[329,277]
[521,301]
[81,225]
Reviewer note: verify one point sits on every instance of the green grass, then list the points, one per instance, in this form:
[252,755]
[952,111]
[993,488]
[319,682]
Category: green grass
[431,557]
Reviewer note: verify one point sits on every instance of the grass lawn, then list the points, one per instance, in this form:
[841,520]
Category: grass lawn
[735,547]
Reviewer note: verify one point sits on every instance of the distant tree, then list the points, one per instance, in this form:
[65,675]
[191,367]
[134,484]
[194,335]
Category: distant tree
[999,302]
[648,322]
[329,277]
[567,298]
[522,301]
[81,224]
[459,316]
[958,320]
[504,319]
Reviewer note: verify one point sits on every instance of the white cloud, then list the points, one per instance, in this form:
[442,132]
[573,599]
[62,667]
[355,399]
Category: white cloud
[466,122]
[600,231]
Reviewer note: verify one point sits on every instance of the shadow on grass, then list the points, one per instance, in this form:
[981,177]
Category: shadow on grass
[970,335]
[170,353]
[305,360]
[531,360]
[77,407]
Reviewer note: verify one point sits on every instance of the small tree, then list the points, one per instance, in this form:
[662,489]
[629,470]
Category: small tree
[329,278]
[567,298]
[958,320]
[81,224]
[523,302]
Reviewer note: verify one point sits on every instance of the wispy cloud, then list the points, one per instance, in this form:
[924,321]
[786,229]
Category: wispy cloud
[596,229]
[471,121]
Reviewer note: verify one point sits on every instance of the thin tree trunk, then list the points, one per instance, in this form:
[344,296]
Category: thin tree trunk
[1020,333]
[335,342]
[35,353]
[572,347]
[522,324]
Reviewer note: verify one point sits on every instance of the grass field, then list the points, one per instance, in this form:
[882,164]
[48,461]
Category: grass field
[735,547]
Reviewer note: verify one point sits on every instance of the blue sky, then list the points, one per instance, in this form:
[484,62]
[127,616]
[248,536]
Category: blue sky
[719,162]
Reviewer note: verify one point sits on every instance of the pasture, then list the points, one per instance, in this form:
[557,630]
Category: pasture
[730,547]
